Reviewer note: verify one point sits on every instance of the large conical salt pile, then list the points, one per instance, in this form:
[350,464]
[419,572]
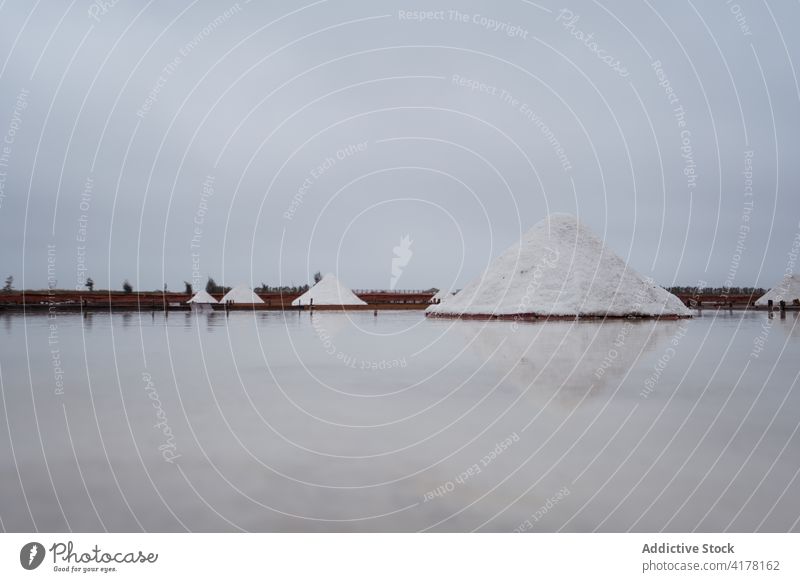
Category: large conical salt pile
[329,291]
[560,268]
[787,290]
[241,294]
[202,297]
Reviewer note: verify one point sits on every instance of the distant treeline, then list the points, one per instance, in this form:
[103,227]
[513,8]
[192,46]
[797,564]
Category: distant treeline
[264,288]
[758,291]
[212,287]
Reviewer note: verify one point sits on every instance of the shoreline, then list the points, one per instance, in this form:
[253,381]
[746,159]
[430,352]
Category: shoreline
[537,317]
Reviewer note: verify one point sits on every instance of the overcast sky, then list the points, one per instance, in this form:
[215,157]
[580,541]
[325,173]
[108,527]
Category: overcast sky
[163,141]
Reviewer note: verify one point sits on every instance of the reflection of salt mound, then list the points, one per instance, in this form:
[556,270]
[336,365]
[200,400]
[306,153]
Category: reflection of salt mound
[202,297]
[560,268]
[567,356]
[241,294]
[329,291]
[790,326]
[787,290]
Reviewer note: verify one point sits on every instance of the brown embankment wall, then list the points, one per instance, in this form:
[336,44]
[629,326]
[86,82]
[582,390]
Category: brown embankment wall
[67,300]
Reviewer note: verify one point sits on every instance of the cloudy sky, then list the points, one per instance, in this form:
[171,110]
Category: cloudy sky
[162,142]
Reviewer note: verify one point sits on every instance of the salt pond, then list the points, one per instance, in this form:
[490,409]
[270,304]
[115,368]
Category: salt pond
[350,422]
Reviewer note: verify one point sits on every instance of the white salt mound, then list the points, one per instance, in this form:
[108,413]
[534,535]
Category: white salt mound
[440,296]
[202,297]
[329,291]
[241,294]
[787,290]
[560,268]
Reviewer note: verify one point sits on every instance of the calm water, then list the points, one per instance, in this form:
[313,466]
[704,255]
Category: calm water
[349,422]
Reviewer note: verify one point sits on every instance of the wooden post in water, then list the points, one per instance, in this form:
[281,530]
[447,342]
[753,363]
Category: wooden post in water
[769,304]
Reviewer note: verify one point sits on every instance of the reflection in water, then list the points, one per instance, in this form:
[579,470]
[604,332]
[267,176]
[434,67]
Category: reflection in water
[293,422]
[790,323]
[214,319]
[565,357]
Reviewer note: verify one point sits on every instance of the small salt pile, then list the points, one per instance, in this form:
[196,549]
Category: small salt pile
[241,294]
[787,290]
[329,291]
